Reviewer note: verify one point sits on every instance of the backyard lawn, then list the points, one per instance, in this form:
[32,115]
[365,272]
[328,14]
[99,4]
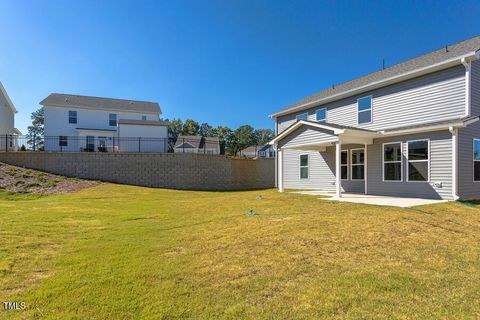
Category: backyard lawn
[123,252]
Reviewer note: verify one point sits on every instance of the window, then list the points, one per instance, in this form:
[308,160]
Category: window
[112,119]
[144,118]
[358,164]
[392,161]
[63,141]
[304,166]
[321,114]
[476,160]
[303,116]
[418,160]
[364,110]
[72,116]
[344,165]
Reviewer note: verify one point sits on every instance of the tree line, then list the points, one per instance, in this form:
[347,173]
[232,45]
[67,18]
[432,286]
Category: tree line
[234,140]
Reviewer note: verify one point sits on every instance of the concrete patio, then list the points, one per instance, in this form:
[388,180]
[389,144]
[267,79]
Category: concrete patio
[371,199]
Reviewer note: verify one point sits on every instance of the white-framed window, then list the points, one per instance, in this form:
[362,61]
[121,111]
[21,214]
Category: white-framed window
[72,116]
[344,164]
[476,160]
[321,114]
[63,141]
[418,159]
[302,116]
[364,110]
[357,164]
[112,119]
[392,161]
[304,162]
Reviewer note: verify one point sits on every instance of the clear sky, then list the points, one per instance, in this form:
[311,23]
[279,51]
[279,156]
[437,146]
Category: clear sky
[226,62]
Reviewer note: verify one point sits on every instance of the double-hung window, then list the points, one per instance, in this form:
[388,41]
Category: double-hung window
[358,164]
[364,109]
[72,116]
[392,161]
[344,164]
[112,119]
[321,114]
[304,166]
[418,160]
[302,116]
[476,160]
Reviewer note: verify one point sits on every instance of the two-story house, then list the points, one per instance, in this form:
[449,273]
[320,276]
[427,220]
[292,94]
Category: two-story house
[83,123]
[410,130]
[8,132]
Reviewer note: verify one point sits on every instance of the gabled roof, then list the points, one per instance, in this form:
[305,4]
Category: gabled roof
[6,98]
[336,129]
[198,142]
[256,148]
[97,103]
[433,61]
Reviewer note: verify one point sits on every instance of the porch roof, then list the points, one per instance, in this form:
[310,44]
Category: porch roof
[330,132]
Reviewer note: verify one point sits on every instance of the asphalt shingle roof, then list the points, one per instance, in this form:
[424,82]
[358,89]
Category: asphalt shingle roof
[441,55]
[87,102]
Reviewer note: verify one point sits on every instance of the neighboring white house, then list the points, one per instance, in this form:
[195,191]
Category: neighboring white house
[83,123]
[8,132]
[262,151]
[197,144]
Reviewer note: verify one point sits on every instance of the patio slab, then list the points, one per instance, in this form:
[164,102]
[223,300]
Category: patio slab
[373,200]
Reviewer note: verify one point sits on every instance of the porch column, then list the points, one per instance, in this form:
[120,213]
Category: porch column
[280,169]
[366,168]
[338,169]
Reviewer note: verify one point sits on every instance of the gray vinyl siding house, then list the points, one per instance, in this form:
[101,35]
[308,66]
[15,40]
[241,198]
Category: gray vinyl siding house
[406,131]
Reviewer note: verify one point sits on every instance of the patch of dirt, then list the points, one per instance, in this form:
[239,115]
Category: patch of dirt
[21,180]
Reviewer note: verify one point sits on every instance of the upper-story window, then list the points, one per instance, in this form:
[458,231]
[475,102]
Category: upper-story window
[364,106]
[144,118]
[302,116]
[321,114]
[72,116]
[112,119]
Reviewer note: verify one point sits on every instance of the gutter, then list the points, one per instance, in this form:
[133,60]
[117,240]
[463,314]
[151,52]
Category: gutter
[381,83]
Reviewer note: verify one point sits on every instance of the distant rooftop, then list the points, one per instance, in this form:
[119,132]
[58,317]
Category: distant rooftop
[96,103]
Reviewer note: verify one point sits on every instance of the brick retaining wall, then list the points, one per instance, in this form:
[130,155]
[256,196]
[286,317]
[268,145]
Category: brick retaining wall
[165,170]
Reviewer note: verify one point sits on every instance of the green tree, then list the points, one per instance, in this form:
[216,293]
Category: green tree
[232,145]
[245,135]
[175,127]
[37,129]
[263,136]
[190,128]
[205,130]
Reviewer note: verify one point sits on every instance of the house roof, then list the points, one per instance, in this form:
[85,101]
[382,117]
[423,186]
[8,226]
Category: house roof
[443,55]
[6,98]
[464,121]
[256,148]
[198,141]
[143,122]
[96,103]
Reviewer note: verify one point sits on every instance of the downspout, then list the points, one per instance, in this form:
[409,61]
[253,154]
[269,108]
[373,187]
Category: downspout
[454,132]
[468,69]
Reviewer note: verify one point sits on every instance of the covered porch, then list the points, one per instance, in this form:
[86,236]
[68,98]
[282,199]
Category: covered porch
[343,166]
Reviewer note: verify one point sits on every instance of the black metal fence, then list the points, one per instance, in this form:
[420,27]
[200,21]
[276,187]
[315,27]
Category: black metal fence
[15,143]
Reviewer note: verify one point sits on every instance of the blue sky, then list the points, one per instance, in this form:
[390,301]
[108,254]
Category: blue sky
[223,62]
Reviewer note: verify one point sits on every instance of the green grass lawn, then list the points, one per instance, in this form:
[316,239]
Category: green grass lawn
[122,252]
